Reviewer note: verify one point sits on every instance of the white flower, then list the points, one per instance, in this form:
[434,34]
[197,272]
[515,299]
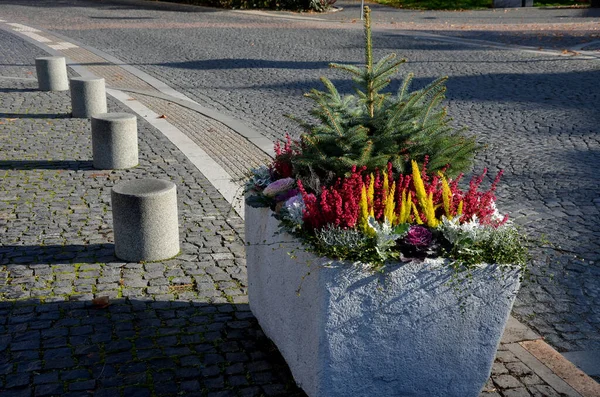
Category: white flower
[294,209]
[456,232]
[496,216]
[385,236]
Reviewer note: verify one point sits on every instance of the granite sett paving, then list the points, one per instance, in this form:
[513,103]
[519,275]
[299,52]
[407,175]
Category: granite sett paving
[175,327]
[538,120]
[535,114]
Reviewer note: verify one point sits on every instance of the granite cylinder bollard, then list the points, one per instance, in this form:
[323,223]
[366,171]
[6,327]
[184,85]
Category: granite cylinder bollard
[114,141]
[52,73]
[88,96]
[145,220]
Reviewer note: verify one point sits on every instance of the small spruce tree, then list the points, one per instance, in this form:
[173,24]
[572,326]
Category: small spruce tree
[374,127]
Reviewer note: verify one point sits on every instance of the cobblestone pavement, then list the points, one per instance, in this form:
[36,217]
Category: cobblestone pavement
[178,327]
[544,28]
[536,113]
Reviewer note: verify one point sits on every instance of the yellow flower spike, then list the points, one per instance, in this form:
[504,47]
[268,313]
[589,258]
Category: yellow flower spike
[446,196]
[431,221]
[416,212]
[363,217]
[425,201]
[460,208]
[371,196]
[390,205]
[402,215]
[406,208]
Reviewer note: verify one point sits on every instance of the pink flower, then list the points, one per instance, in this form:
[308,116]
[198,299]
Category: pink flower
[279,186]
[418,236]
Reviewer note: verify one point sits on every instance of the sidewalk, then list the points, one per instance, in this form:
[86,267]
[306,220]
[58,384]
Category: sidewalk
[179,327]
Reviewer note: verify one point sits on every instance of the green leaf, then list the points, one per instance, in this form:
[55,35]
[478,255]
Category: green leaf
[258,201]
[402,228]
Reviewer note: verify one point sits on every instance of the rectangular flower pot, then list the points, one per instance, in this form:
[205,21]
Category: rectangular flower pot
[345,330]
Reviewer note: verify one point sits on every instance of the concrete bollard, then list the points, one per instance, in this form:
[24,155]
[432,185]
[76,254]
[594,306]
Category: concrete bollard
[52,73]
[145,220]
[114,141]
[88,96]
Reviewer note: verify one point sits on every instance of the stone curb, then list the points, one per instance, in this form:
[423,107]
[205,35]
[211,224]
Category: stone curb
[583,53]
[542,370]
[170,94]
[563,368]
[546,362]
[216,175]
[259,140]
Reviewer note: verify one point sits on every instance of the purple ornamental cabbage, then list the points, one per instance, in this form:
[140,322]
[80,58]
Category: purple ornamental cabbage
[418,236]
[287,195]
[279,186]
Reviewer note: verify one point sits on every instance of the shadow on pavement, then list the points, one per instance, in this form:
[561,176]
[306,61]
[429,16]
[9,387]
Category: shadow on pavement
[552,90]
[122,18]
[555,39]
[35,115]
[165,5]
[75,165]
[138,347]
[17,255]
[8,90]
[245,63]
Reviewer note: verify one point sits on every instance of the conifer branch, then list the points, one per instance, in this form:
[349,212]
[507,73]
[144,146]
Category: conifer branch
[373,128]
[349,68]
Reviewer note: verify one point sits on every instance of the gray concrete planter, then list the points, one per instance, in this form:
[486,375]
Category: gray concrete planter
[345,331]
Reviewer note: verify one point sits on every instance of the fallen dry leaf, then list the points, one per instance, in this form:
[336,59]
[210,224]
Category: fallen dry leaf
[98,175]
[570,52]
[162,116]
[100,302]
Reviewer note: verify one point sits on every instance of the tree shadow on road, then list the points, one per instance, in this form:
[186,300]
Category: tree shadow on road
[246,63]
[114,5]
[36,115]
[20,90]
[137,346]
[25,255]
[549,38]
[76,165]
[537,90]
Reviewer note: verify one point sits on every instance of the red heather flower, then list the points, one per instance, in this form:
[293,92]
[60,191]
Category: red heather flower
[379,196]
[282,164]
[339,204]
[283,169]
[418,236]
[481,203]
[312,218]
